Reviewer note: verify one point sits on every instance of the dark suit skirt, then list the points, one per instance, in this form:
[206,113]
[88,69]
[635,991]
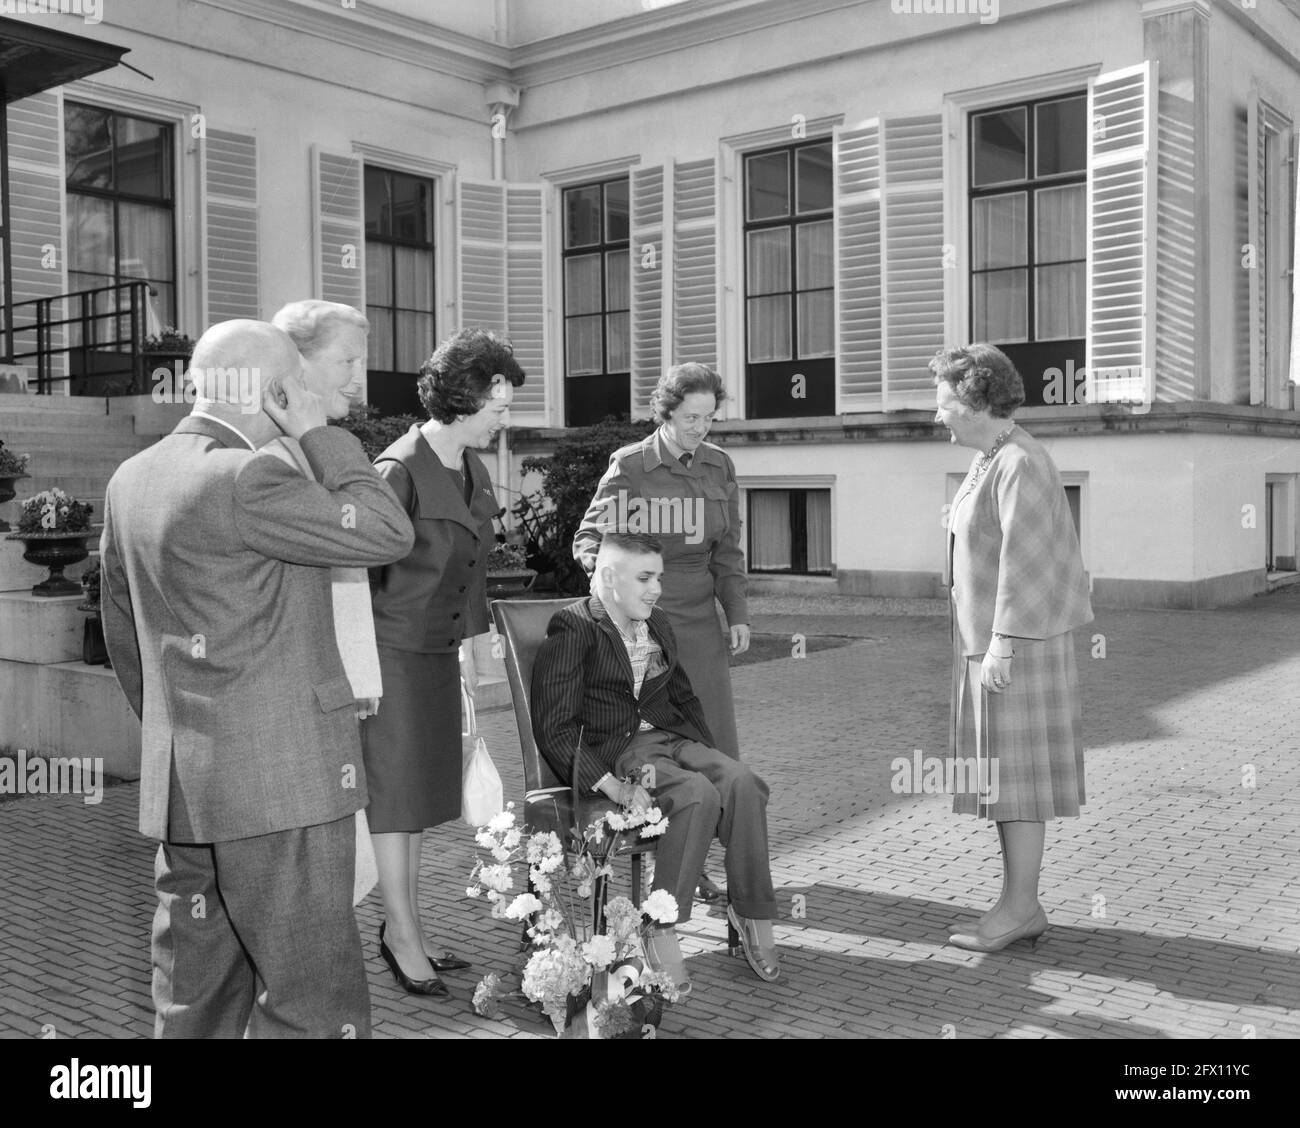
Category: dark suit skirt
[701,649]
[412,747]
[1030,736]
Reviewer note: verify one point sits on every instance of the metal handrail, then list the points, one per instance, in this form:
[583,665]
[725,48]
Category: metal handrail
[129,301]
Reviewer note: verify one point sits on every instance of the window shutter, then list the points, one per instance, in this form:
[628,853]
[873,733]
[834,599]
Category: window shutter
[339,228]
[525,295]
[858,323]
[36,217]
[695,264]
[651,254]
[1294,368]
[1257,186]
[911,220]
[501,274]
[1121,235]
[231,221]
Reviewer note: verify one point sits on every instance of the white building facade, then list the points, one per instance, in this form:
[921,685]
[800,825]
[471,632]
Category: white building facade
[812,195]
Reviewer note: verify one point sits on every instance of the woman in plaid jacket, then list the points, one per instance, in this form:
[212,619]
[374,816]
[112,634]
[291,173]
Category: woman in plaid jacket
[1018,593]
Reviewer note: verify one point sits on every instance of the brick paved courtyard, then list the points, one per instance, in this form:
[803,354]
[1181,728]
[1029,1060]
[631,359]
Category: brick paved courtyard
[1173,900]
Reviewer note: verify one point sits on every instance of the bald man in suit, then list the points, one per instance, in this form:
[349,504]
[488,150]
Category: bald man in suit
[217,613]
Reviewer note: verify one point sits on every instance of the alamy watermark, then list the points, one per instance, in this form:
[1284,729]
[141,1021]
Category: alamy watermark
[90,11]
[655,516]
[220,385]
[55,775]
[1124,386]
[987,10]
[945,775]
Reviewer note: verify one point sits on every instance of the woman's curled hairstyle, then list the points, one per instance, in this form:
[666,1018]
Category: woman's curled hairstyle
[457,379]
[982,377]
[680,381]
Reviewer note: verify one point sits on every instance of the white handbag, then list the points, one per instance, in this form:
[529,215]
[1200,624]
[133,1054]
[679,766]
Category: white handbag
[482,794]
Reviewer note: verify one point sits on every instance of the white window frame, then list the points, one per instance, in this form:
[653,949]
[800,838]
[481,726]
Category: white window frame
[957,108]
[555,183]
[748,482]
[189,237]
[443,174]
[731,248]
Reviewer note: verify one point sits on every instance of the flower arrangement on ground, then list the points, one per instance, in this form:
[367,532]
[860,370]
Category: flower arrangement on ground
[587,967]
[54,511]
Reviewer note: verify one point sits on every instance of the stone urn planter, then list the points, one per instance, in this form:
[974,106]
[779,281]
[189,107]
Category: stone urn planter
[55,551]
[7,494]
[54,527]
[507,573]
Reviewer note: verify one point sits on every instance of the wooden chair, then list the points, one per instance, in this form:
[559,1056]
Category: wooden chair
[548,800]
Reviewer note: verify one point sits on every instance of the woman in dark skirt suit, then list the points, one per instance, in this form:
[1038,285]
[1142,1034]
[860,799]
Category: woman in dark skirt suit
[424,606]
[682,476]
[1018,593]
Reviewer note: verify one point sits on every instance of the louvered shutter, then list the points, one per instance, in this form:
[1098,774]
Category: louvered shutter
[502,277]
[231,225]
[695,264]
[651,194]
[36,244]
[339,228]
[911,220]
[1294,367]
[1257,186]
[1177,238]
[858,322]
[1121,235]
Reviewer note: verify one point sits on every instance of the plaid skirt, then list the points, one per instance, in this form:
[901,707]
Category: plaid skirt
[1018,754]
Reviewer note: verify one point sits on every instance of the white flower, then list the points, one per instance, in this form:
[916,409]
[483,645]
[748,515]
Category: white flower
[512,837]
[541,882]
[473,891]
[616,821]
[496,877]
[599,951]
[523,906]
[551,864]
[584,889]
[485,838]
[544,845]
[661,907]
[502,822]
[654,829]
[501,853]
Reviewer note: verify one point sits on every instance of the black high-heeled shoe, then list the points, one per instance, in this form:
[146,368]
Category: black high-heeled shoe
[434,987]
[448,961]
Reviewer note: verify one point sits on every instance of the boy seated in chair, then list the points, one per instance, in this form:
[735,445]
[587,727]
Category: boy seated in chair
[609,670]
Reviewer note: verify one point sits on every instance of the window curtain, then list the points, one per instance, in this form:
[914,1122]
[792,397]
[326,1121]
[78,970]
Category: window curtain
[769,530]
[819,530]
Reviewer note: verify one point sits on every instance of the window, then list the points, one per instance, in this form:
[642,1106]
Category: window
[399,285]
[1276,259]
[790,531]
[597,300]
[121,195]
[1028,253]
[789,282]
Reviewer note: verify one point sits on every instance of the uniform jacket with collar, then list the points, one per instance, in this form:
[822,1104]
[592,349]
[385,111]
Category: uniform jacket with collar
[582,682]
[646,470]
[1016,566]
[437,595]
[218,619]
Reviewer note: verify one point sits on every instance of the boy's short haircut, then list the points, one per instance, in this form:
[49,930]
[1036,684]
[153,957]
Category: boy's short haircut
[637,544]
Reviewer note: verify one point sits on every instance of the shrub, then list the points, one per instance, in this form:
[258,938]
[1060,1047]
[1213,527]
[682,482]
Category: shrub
[53,511]
[376,432]
[570,476]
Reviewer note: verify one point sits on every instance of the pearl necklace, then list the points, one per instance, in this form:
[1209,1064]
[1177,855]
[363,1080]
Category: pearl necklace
[986,457]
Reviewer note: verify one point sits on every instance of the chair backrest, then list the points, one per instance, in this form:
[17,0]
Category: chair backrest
[522,625]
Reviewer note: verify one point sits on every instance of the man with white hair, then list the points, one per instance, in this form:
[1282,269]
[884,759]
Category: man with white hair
[218,620]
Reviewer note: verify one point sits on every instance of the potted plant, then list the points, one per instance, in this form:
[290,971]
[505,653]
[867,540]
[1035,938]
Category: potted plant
[53,527]
[94,650]
[12,468]
[508,573]
[168,349]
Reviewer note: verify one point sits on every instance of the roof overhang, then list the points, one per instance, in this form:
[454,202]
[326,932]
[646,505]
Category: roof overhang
[35,58]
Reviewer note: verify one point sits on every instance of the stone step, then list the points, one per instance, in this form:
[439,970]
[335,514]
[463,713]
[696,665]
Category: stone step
[40,630]
[63,438]
[69,405]
[69,709]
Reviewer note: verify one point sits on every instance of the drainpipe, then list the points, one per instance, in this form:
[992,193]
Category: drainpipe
[501,99]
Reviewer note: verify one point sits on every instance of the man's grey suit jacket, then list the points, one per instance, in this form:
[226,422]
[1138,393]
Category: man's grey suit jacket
[218,617]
